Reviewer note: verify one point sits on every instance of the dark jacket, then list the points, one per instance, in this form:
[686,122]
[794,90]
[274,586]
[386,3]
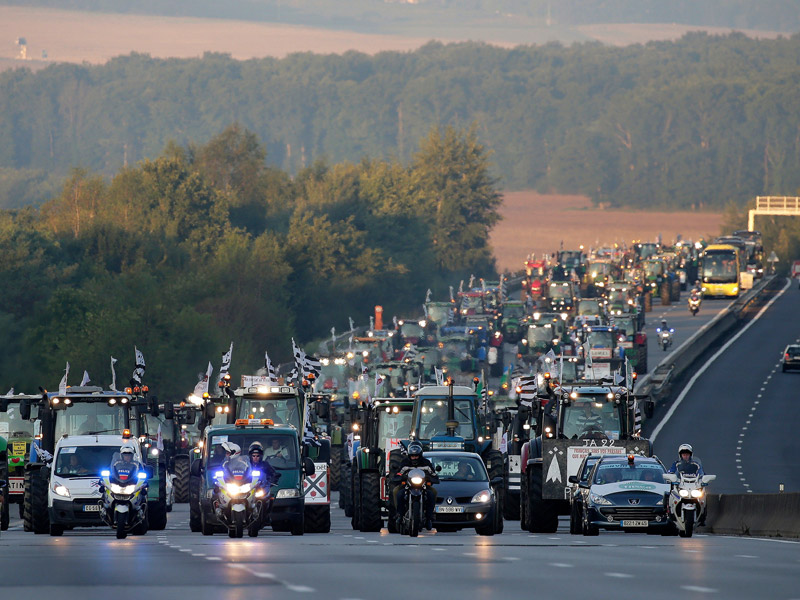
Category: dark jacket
[400,475]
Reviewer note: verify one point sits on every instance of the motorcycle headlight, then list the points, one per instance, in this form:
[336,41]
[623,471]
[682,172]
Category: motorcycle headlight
[416,480]
[481,497]
[61,490]
[123,489]
[288,493]
[234,489]
[697,493]
[597,499]
[683,493]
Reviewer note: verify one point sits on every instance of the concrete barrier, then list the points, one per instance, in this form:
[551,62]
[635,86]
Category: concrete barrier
[758,515]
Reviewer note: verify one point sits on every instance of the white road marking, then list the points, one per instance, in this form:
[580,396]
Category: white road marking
[745,556]
[304,589]
[619,575]
[699,589]
[561,565]
[709,362]
[213,558]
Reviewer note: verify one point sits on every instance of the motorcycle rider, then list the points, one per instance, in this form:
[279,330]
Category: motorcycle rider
[415,460]
[685,458]
[268,473]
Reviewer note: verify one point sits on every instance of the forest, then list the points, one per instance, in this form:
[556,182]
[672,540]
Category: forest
[205,244]
[693,123]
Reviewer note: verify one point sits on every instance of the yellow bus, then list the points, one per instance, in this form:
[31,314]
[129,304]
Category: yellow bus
[719,271]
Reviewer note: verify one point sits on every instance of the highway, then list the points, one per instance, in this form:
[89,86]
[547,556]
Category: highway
[347,565]
[741,414]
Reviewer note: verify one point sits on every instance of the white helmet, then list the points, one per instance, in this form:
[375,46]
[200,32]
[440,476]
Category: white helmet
[685,448]
[231,449]
[127,449]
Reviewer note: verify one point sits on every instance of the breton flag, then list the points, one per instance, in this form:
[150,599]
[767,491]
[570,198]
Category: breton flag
[528,388]
[439,376]
[113,375]
[305,364]
[273,377]
[309,437]
[226,363]
[85,380]
[637,418]
[138,371]
[202,385]
[483,392]
[62,387]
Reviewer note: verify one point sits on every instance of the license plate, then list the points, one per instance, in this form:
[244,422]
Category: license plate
[18,448]
[635,523]
[449,509]
[91,508]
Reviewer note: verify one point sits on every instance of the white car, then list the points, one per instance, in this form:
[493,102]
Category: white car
[73,496]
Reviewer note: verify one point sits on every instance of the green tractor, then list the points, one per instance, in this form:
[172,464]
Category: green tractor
[18,434]
[661,281]
[384,424]
[512,320]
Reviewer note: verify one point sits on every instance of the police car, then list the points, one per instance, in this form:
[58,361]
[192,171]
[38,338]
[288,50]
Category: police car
[625,493]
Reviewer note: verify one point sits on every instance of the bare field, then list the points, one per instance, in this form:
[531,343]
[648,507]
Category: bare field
[538,223]
[77,37]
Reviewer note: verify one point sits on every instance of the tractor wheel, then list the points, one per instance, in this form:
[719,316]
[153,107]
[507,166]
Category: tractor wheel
[181,481]
[510,507]
[641,360]
[205,527]
[648,302]
[575,526]
[335,469]
[317,518]
[5,516]
[542,515]
[195,524]
[355,520]
[298,527]
[157,510]
[495,464]
[56,530]
[346,489]
[676,290]
[523,502]
[122,526]
[37,500]
[666,297]
[370,503]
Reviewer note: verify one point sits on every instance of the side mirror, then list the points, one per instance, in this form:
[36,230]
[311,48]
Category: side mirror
[573,479]
[152,403]
[210,411]
[308,466]
[3,404]
[670,477]
[584,485]
[497,480]
[169,411]
[708,478]
[25,409]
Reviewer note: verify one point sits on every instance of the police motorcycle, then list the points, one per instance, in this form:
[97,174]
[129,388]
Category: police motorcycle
[239,497]
[415,481]
[687,496]
[695,298]
[664,335]
[123,491]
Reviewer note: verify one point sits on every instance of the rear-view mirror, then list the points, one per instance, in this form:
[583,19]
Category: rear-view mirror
[25,409]
[573,479]
[670,477]
[497,480]
[709,478]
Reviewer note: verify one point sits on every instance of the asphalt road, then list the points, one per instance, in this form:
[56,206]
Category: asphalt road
[741,414]
[346,565]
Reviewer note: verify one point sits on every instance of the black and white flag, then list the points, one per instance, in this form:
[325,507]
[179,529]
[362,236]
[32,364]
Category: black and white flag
[439,376]
[637,418]
[309,437]
[528,388]
[273,378]
[113,387]
[305,364]
[138,371]
[226,363]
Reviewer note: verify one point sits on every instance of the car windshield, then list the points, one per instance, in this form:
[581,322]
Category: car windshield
[560,291]
[617,297]
[12,425]
[393,425]
[282,411]
[85,418]
[540,334]
[584,416]
[469,302]
[412,329]
[719,268]
[332,375]
[653,269]
[626,325]
[588,307]
[687,468]
[600,339]
[84,461]
[513,311]
[439,314]
[616,472]
[280,450]
[459,468]
[433,418]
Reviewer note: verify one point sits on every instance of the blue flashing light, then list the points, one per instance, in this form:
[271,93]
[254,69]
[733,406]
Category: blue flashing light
[141,475]
[105,473]
[256,474]
[218,474]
